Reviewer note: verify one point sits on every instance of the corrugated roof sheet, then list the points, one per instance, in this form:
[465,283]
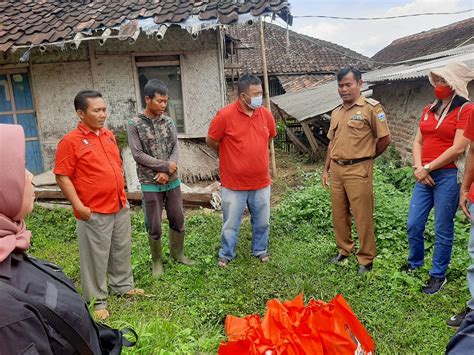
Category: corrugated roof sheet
[420,70]
[306,104]
[309,103]
[449,52]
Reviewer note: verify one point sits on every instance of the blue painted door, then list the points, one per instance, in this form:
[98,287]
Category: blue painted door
[16,107]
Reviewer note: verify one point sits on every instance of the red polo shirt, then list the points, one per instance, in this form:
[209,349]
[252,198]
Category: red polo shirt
[469,134]
[436,141]
[243,146]
[93,164]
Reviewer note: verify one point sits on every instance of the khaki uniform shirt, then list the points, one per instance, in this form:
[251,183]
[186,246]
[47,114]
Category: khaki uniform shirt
[354,131]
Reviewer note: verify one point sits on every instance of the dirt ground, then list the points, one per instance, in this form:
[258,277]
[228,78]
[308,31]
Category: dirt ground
[289,169]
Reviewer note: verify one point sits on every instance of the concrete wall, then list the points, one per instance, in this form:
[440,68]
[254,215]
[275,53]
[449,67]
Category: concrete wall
[57,76]
[404,103]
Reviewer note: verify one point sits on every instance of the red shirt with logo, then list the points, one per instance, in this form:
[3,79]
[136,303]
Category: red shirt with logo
[93,164]
[243,146]
[438,140]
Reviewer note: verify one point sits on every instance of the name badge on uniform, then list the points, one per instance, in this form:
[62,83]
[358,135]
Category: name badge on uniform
[85,141]
[357,117]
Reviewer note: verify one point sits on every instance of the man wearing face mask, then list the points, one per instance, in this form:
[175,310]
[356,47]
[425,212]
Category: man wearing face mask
[240,133]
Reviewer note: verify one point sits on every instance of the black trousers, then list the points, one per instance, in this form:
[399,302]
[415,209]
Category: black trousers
[153,203]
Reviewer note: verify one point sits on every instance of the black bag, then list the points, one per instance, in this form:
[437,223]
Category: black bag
[111,340]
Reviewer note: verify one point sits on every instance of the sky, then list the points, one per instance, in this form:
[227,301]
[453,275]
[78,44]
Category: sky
[368,37]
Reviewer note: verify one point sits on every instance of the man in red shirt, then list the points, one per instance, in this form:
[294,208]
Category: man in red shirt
[240,133]
[88,170]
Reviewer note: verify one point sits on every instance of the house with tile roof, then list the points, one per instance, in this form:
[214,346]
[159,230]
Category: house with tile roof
[455,35]
[50,50]
[404,90]
[295,61]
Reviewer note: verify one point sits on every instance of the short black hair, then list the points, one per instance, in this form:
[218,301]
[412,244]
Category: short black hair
[245,81]
[80,101]
[349,69]
[155,86]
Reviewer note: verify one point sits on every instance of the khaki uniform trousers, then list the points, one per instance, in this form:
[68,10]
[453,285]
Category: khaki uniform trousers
[352,191]
[105,250]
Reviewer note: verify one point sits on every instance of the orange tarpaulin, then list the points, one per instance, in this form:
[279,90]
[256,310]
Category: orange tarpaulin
[291,328]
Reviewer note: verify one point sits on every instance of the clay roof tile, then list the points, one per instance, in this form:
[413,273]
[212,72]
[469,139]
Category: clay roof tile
[37,20]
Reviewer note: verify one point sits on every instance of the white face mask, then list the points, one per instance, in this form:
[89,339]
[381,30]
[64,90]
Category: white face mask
[255,102]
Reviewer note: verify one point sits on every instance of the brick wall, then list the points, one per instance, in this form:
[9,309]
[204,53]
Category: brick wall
[404,103]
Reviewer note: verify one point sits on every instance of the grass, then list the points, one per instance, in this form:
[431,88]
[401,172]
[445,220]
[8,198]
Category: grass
[187,310]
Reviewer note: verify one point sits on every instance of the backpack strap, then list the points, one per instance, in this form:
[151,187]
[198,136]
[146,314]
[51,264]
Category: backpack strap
[41,265]
[52,318]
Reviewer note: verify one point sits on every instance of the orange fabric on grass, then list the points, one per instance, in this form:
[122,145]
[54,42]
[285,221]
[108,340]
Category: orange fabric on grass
[291,328]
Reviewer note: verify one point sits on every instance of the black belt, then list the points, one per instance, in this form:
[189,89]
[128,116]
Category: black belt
[350,161]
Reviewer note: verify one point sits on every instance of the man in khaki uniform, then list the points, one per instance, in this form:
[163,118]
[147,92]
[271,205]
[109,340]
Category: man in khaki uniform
[358,133]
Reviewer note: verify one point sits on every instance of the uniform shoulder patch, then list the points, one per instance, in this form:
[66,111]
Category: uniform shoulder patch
[372,101]
[380,113]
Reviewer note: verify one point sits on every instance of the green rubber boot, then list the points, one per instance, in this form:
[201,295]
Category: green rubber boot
[177,246]
[155,247]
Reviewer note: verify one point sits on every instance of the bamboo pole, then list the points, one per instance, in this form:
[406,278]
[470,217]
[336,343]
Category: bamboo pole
[266,93]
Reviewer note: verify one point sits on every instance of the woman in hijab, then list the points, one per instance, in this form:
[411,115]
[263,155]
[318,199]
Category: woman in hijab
[439,141]
[22,328]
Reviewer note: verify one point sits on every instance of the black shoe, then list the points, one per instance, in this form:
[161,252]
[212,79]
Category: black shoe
[455,321]
[364,269]
[408,269]
[434,285]
[338,258]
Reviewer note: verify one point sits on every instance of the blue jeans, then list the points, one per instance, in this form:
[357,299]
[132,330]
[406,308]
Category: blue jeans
[444,197]
[233,205]
[470,269]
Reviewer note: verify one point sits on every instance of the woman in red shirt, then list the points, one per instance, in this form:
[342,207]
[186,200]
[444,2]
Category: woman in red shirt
[439,141]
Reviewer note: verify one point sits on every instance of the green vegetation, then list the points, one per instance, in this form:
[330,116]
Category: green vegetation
[186,311]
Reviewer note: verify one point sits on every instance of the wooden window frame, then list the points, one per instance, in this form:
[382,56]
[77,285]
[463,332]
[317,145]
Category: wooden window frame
[20,70]
[136,65]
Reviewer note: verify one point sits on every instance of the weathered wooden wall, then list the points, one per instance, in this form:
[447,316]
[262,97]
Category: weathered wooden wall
[58,75]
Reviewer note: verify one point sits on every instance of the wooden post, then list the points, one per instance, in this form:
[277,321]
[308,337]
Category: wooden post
[298,144]
[266,93]
[92,63]
[312,141]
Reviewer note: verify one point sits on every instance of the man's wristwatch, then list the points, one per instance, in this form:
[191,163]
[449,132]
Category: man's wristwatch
[427,167]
